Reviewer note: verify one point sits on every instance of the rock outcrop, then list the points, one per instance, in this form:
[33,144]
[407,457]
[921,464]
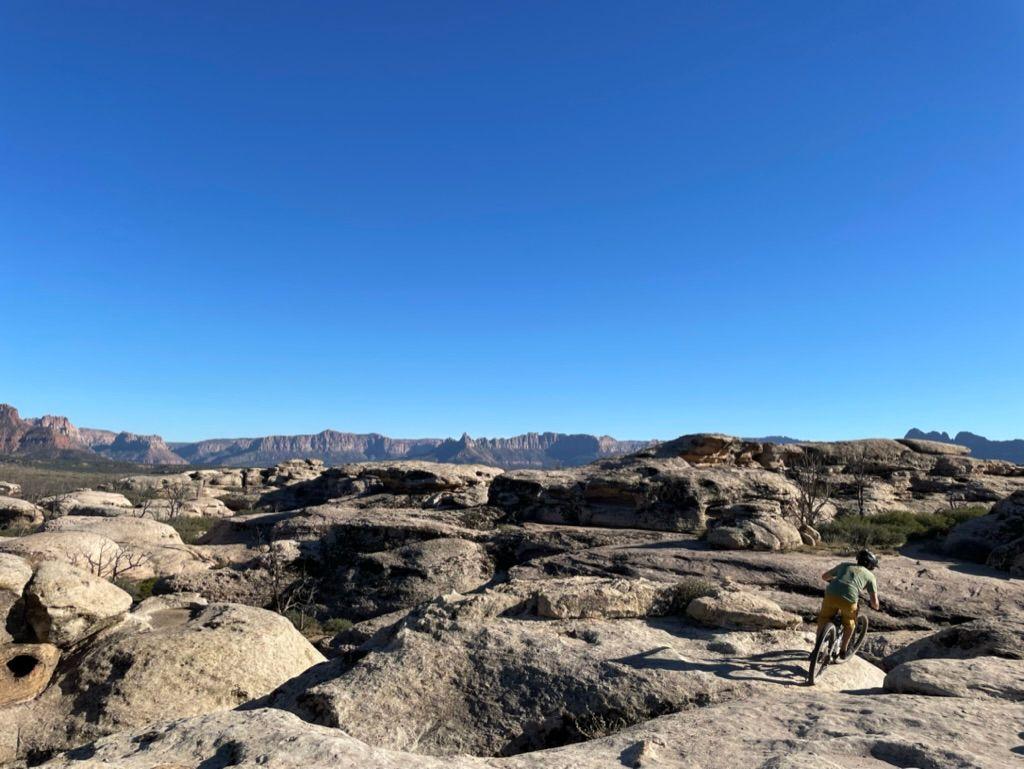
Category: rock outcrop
[753,526]
[15,572]
[994,677]
[87,502]
[996,539]
[63,604]
[10,489]
[165,660]
[1002,637]
[406,484]
[382,582]
[18,514]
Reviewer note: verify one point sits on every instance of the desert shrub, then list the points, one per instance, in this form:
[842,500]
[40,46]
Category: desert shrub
[138,589]
[192,528]
[890,530]
[17,530]
[305,623]
[336,625]
[687,589]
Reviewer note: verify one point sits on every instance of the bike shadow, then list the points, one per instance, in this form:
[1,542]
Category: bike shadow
[785,668]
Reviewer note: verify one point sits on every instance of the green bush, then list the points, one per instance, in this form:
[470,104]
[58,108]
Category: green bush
[191,529]
[336,625]
[139,590]
[305,623]
[891,530]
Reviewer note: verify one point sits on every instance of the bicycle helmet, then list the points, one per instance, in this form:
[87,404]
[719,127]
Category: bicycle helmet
[867,559]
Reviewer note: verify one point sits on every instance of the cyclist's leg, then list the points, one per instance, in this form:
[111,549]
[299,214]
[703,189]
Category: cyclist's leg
[849,615]
[825,614]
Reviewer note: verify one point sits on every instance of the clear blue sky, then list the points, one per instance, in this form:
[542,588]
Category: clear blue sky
[641,219]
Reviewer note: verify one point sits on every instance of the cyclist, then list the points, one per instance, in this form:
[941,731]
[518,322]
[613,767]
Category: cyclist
[845,584]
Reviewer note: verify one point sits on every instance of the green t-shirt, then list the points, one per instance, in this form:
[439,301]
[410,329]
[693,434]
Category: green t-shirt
[848,580]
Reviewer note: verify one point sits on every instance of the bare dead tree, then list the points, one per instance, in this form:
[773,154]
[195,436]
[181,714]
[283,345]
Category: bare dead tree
[144,502]
[53,505]
[292,595]
[861,479]
[177,494]
[954,497]
[110,561]
[815,486]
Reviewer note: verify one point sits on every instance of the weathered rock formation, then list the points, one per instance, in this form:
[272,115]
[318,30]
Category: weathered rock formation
[996,539]
[167,659]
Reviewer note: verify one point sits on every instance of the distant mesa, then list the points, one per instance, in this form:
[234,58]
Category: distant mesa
[50,437]
[981,447]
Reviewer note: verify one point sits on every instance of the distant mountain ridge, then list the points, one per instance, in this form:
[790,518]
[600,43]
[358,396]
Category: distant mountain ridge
[981,447]
[48,436]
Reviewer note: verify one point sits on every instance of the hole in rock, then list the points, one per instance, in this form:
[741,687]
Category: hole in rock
[21,665]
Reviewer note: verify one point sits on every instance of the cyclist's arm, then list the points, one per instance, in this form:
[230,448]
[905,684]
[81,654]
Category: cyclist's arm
[874,602]
[829,575]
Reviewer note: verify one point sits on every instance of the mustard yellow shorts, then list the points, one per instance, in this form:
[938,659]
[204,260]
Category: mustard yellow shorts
[833,603]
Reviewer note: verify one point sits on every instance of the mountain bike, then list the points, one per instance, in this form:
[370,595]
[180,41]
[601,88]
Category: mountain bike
[827,649]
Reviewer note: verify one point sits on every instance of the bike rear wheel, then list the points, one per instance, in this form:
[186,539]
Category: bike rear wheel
[821,656]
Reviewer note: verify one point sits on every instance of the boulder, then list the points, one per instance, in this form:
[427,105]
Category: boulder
[740,610]
[25,671]
[1002,637]
[995,677]
[19,514]
[15,573]
[64,603]
[167,659]
[996,538]
[10,489]
[125,530]
[382,582]
[753,526]
[86,502]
